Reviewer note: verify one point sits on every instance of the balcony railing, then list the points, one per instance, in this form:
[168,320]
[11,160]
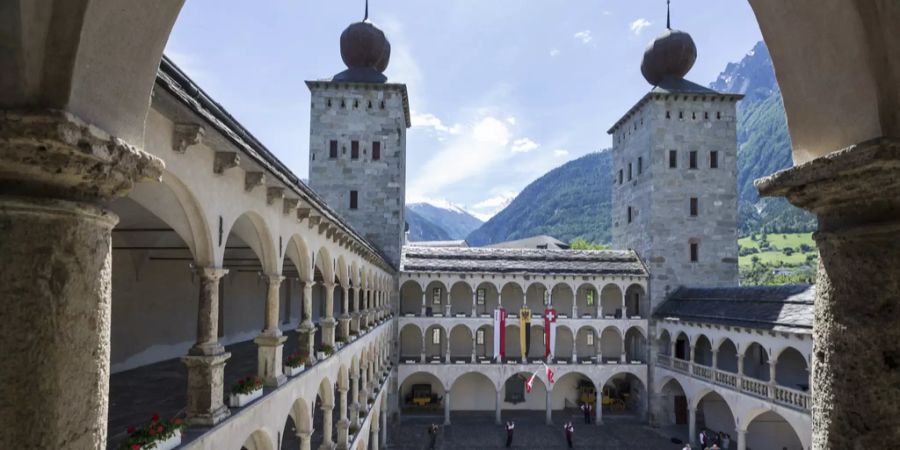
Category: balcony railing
[791,397]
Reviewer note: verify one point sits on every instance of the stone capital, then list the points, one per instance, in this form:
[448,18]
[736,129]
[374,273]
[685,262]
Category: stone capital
[53,153]
[274,280]
[265,340]
[210,274]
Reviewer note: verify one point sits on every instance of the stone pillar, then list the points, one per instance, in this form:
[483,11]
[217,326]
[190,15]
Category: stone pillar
[497,419]
[305,440]
[424,345]
[270,343]
[549,406]
[672,347]
[475,303]
[772,383]
[447,408]
[328,323]
[383,418]
[740,369]
[598,407]
[343,425]
[715,360]
[692,425]
[424,303]
[741,439]
[624,357]
[446,337]
[345,316]
[855,192]
[474,358]
[306,332]
[373,436]
[327,443]
[206,359]
[364,392]
[354,400]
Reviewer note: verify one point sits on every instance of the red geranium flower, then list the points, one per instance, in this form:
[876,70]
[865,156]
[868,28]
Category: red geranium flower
[155,417]
[177,421]
[135,446]
[160,429]
[151,432]
[130,430]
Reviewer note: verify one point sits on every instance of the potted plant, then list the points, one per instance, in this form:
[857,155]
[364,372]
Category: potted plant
[245,391]
[340,341]
[294,364]
[156,434]
[325,351]
[353,335]
[353,430]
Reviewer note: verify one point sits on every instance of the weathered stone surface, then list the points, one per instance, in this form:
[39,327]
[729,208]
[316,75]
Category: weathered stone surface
[186,135]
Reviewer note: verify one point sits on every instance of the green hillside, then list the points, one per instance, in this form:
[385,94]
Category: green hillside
[777,258]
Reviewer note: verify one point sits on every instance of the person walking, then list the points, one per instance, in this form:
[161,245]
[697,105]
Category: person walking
[510,426]
[432,436]
[569,431]
[726,441]
[587,410]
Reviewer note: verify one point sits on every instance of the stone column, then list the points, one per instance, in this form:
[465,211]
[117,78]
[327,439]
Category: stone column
[692,425]
[328,323]
[475,303]
[306,332]
[741,439]
[345,316]
[549,405]
[598,407]
[424,303]
[354,314]
[772,383]
[305,440]
[343,425]
[424,345]
[55,287]
[364,392]
[354,400]
[447,408]
[624,357]
[270,343]
[383,418]
[497,419]
[740,370]
[327,443]
[206,359]
[855,192]
[715,361]
[373,436]
[446,337]
[474,358]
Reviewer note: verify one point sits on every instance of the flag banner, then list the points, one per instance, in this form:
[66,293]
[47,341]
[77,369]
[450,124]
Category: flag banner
[499,334]
[549,332]
[549,374]
[530,383]
[524,331]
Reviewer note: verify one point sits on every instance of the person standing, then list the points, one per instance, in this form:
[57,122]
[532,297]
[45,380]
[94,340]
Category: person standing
[587,409]
[569,431]
[510,426]
[432,436]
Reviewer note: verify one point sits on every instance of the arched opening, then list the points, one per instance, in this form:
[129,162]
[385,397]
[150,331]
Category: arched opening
[259,440]
[586,301]
[411,344]
[298,422]
[703,351]
[437,302]
[563,300]
[410,298]
[565,344]
[636,303]
[537,297]
[422,394]
[624,394]
[756,362]
[487,299]
[570,391]
[473,391]
[683,347]
[770,430]
[664,343]
[323,414]
[586,344]
[484,343]
[461,344]
[791,370]
[536,347]
[461,299]
[515,397]
[435,343]
[673,407]
[726,357]
[635,346]
[612,346]
[512,297]
[611,301]
[715,417]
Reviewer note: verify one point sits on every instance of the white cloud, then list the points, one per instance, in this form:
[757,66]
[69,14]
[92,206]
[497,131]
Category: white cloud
[638,26]
[428,120]
[487,208]
[524,145]
[584,36]
[554,52]
[491,131]
[560,152]
[511,120]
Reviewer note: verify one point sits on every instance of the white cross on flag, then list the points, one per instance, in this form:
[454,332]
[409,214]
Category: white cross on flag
[550,334]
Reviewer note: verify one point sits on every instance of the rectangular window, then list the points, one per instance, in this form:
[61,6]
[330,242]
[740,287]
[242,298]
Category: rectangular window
[714,159]
[480,296]
[354,150]
[590,339]
[589,297]
[673,159]
[693,159]
[376,151]
[620,176]
[332,150]
[694,207]
[479,337]
[695,252]
[640,165]
[436,336]
[629,214]
[354,199]
[436,296]
[629,171]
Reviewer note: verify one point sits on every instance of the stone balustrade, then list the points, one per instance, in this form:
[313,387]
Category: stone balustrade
[681,365]
[791,397]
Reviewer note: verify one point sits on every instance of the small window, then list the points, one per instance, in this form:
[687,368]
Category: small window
[376,151]
[354,199]
[370,104]
[694,207]
[714,159]
[681,114]
[356,103]
[590,339]
[640,165]
[695,251]
[629,171]
[343,103]
[479,337]
[668,115]
[332,150]
[436,295]
[693,159]
[589,297]
[382,104]
[354,150]
[328,103]
[706,115]
[630,213]
[480,296]
[620,176]
[436,336]
[673,159]
[718,115]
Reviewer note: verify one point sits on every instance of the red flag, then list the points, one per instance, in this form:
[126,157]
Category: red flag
[530,383]
[549,331]
[549,373]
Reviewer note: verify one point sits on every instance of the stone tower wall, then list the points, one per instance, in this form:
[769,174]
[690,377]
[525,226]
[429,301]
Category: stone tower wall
[365,113]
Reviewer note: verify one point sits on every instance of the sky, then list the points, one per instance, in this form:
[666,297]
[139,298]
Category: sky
[501,91]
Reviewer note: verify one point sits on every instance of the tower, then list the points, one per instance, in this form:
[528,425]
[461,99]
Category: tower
[675,174]
[357,142]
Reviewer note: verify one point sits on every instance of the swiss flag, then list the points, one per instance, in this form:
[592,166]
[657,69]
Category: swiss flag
[530,383]
[549,373]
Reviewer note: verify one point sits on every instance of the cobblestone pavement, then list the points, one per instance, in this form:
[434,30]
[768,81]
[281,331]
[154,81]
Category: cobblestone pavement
[476,430]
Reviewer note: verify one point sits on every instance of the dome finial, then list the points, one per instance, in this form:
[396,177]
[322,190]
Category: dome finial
[668,13]
[367,11]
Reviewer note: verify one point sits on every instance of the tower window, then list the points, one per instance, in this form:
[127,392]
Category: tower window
[668,115]
[356,103]
[719,115]
[354,150]
[714,159]
[370,104]
[629,171]
[640,165]
[694,207]
[620,176]
[590,339]
[681,114]
[354,199]
[630,214]
[436,336]
[706,115]
[343,103]
[479,337]
[328,103]
[673,159]
[332,150]
[693,116]
[695,251]
[693,159]
[382,104]
[376,151]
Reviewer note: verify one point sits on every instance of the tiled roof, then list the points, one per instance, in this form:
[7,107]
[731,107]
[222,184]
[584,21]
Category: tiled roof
[541,241]
[521,261]
[459,243]
[780,308]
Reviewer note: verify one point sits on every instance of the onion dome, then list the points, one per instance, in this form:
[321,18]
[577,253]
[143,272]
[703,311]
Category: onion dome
[366,52]
[670,56]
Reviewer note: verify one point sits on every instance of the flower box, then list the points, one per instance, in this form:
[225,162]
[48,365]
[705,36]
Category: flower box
[294,371]
[242,400]
[609,316]
[612,361]
[320,355]
[461,315]
[636,362]
[170,443]
[485,361]
[160,434]
[409,315]
[636,317]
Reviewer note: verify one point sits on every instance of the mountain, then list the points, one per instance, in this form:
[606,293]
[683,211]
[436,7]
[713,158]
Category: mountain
[569,202]
[455,221]
[422,229]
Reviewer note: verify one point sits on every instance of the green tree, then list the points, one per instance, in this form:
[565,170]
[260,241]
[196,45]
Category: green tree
[581,244]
